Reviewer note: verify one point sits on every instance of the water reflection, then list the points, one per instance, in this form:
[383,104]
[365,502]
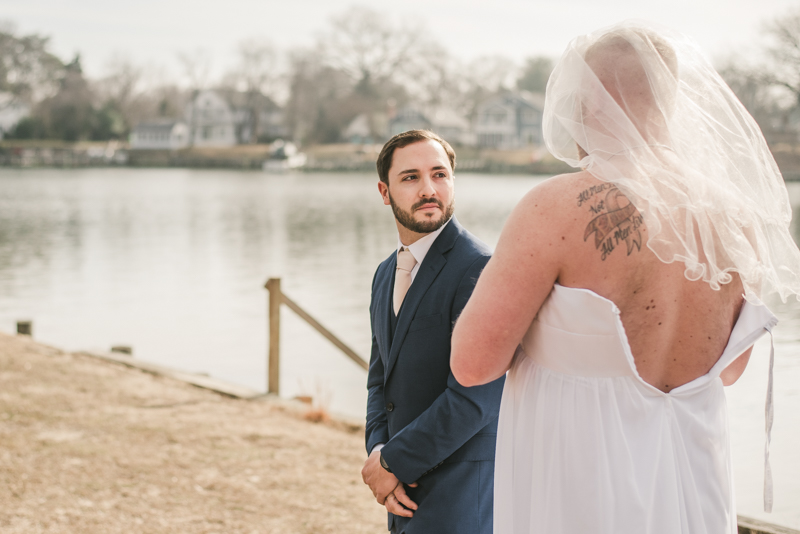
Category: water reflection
[162,258]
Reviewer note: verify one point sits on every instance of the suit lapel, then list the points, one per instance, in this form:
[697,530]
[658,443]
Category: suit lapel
[383,309]
[431,266]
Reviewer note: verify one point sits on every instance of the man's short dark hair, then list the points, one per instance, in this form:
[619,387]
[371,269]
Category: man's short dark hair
[404,139]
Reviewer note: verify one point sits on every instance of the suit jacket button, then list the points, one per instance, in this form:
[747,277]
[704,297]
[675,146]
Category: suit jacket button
[389,407]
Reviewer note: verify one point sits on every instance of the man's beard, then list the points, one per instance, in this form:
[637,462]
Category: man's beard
[422,227]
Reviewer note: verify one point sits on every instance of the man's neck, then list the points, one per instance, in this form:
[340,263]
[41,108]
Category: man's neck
[409,237]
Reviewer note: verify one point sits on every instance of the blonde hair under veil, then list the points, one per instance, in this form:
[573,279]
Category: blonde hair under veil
[641,107]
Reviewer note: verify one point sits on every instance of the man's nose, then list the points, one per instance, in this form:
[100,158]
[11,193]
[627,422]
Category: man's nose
[427,189]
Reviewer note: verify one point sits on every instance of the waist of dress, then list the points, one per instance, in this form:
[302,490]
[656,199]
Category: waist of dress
[530,373]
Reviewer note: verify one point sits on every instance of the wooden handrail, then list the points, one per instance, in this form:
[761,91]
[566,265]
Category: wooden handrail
[325,332]
[276,298]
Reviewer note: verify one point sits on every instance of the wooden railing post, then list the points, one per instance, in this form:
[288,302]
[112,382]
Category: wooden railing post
[274,363]
[25,328]
[276,298]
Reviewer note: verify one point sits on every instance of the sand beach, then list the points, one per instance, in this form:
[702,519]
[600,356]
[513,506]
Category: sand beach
[93,446]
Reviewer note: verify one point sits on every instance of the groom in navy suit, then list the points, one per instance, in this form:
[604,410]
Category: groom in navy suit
[430,441]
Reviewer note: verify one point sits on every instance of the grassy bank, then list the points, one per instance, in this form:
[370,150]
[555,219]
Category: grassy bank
[326,158]
[321,158]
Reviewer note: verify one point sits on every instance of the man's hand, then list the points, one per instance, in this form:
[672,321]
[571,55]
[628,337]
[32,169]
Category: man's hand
[398,503]
[379,480]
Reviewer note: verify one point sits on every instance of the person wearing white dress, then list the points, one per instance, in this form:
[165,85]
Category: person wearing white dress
[623,297]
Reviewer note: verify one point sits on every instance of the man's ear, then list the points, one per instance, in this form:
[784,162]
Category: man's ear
[384,190]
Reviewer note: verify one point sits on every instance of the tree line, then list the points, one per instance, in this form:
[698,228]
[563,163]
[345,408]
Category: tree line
[361,62]
[770,89]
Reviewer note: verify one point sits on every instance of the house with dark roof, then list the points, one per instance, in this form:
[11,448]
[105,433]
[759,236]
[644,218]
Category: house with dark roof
[510,120]
[367,128]
[408,118]
[226,117]
[256,117]
[446,122]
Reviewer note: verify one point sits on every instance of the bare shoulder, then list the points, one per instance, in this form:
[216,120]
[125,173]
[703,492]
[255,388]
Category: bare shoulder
[561,191]
[552,204]
[582,222]
[542,228]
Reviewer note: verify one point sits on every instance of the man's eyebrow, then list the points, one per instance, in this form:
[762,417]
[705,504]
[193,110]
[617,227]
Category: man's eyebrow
[408,171]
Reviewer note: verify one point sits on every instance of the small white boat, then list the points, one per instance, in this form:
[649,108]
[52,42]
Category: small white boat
[284,156]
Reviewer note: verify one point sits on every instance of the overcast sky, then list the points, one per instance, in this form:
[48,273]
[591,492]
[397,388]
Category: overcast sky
[153,32]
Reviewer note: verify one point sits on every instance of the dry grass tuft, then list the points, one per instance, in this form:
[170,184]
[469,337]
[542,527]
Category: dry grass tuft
[317,415]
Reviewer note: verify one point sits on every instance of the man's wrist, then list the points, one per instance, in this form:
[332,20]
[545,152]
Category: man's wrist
[384,464]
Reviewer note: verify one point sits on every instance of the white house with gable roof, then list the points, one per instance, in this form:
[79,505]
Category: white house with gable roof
[210,120]
[510,120]
[160,134]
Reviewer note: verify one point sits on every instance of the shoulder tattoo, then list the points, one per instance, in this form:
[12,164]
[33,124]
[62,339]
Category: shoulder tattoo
[616,219]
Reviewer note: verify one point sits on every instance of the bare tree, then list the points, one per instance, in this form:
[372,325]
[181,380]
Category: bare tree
[121,94]
[318,107]
[129,93]
[196,68]
[785,52]
[363,44]
[752,87]
[535,74]
[434,77]
[162,94]
[493,73]
[486,76]
[166,101]
[257,69]
[122,80]
[256,75]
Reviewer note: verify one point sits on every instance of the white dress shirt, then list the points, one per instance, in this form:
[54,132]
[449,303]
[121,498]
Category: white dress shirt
[419,249]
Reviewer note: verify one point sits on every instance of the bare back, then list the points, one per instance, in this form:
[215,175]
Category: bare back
[677,329]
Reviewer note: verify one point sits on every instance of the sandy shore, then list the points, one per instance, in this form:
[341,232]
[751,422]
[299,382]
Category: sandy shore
[91,446]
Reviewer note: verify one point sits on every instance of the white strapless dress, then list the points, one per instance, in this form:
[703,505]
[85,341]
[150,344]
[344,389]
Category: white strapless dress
[584,445]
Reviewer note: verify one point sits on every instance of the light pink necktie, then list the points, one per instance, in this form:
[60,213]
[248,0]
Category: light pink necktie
[402,276]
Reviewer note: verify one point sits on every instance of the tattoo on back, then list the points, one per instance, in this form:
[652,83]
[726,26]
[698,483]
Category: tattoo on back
[587,194]
[616,219]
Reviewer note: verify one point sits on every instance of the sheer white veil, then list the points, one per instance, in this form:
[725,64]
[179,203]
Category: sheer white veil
[640,106]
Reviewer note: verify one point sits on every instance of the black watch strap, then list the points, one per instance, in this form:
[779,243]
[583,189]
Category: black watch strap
[385,465]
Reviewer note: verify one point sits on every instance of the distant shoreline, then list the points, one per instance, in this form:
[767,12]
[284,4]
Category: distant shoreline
[321,158]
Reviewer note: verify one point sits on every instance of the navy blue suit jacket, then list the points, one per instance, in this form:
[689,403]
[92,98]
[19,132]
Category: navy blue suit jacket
[436,432]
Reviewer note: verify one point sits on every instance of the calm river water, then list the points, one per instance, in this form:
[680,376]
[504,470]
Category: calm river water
[173,263]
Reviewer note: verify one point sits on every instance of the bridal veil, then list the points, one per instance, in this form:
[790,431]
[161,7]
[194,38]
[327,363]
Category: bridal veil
[640,106]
